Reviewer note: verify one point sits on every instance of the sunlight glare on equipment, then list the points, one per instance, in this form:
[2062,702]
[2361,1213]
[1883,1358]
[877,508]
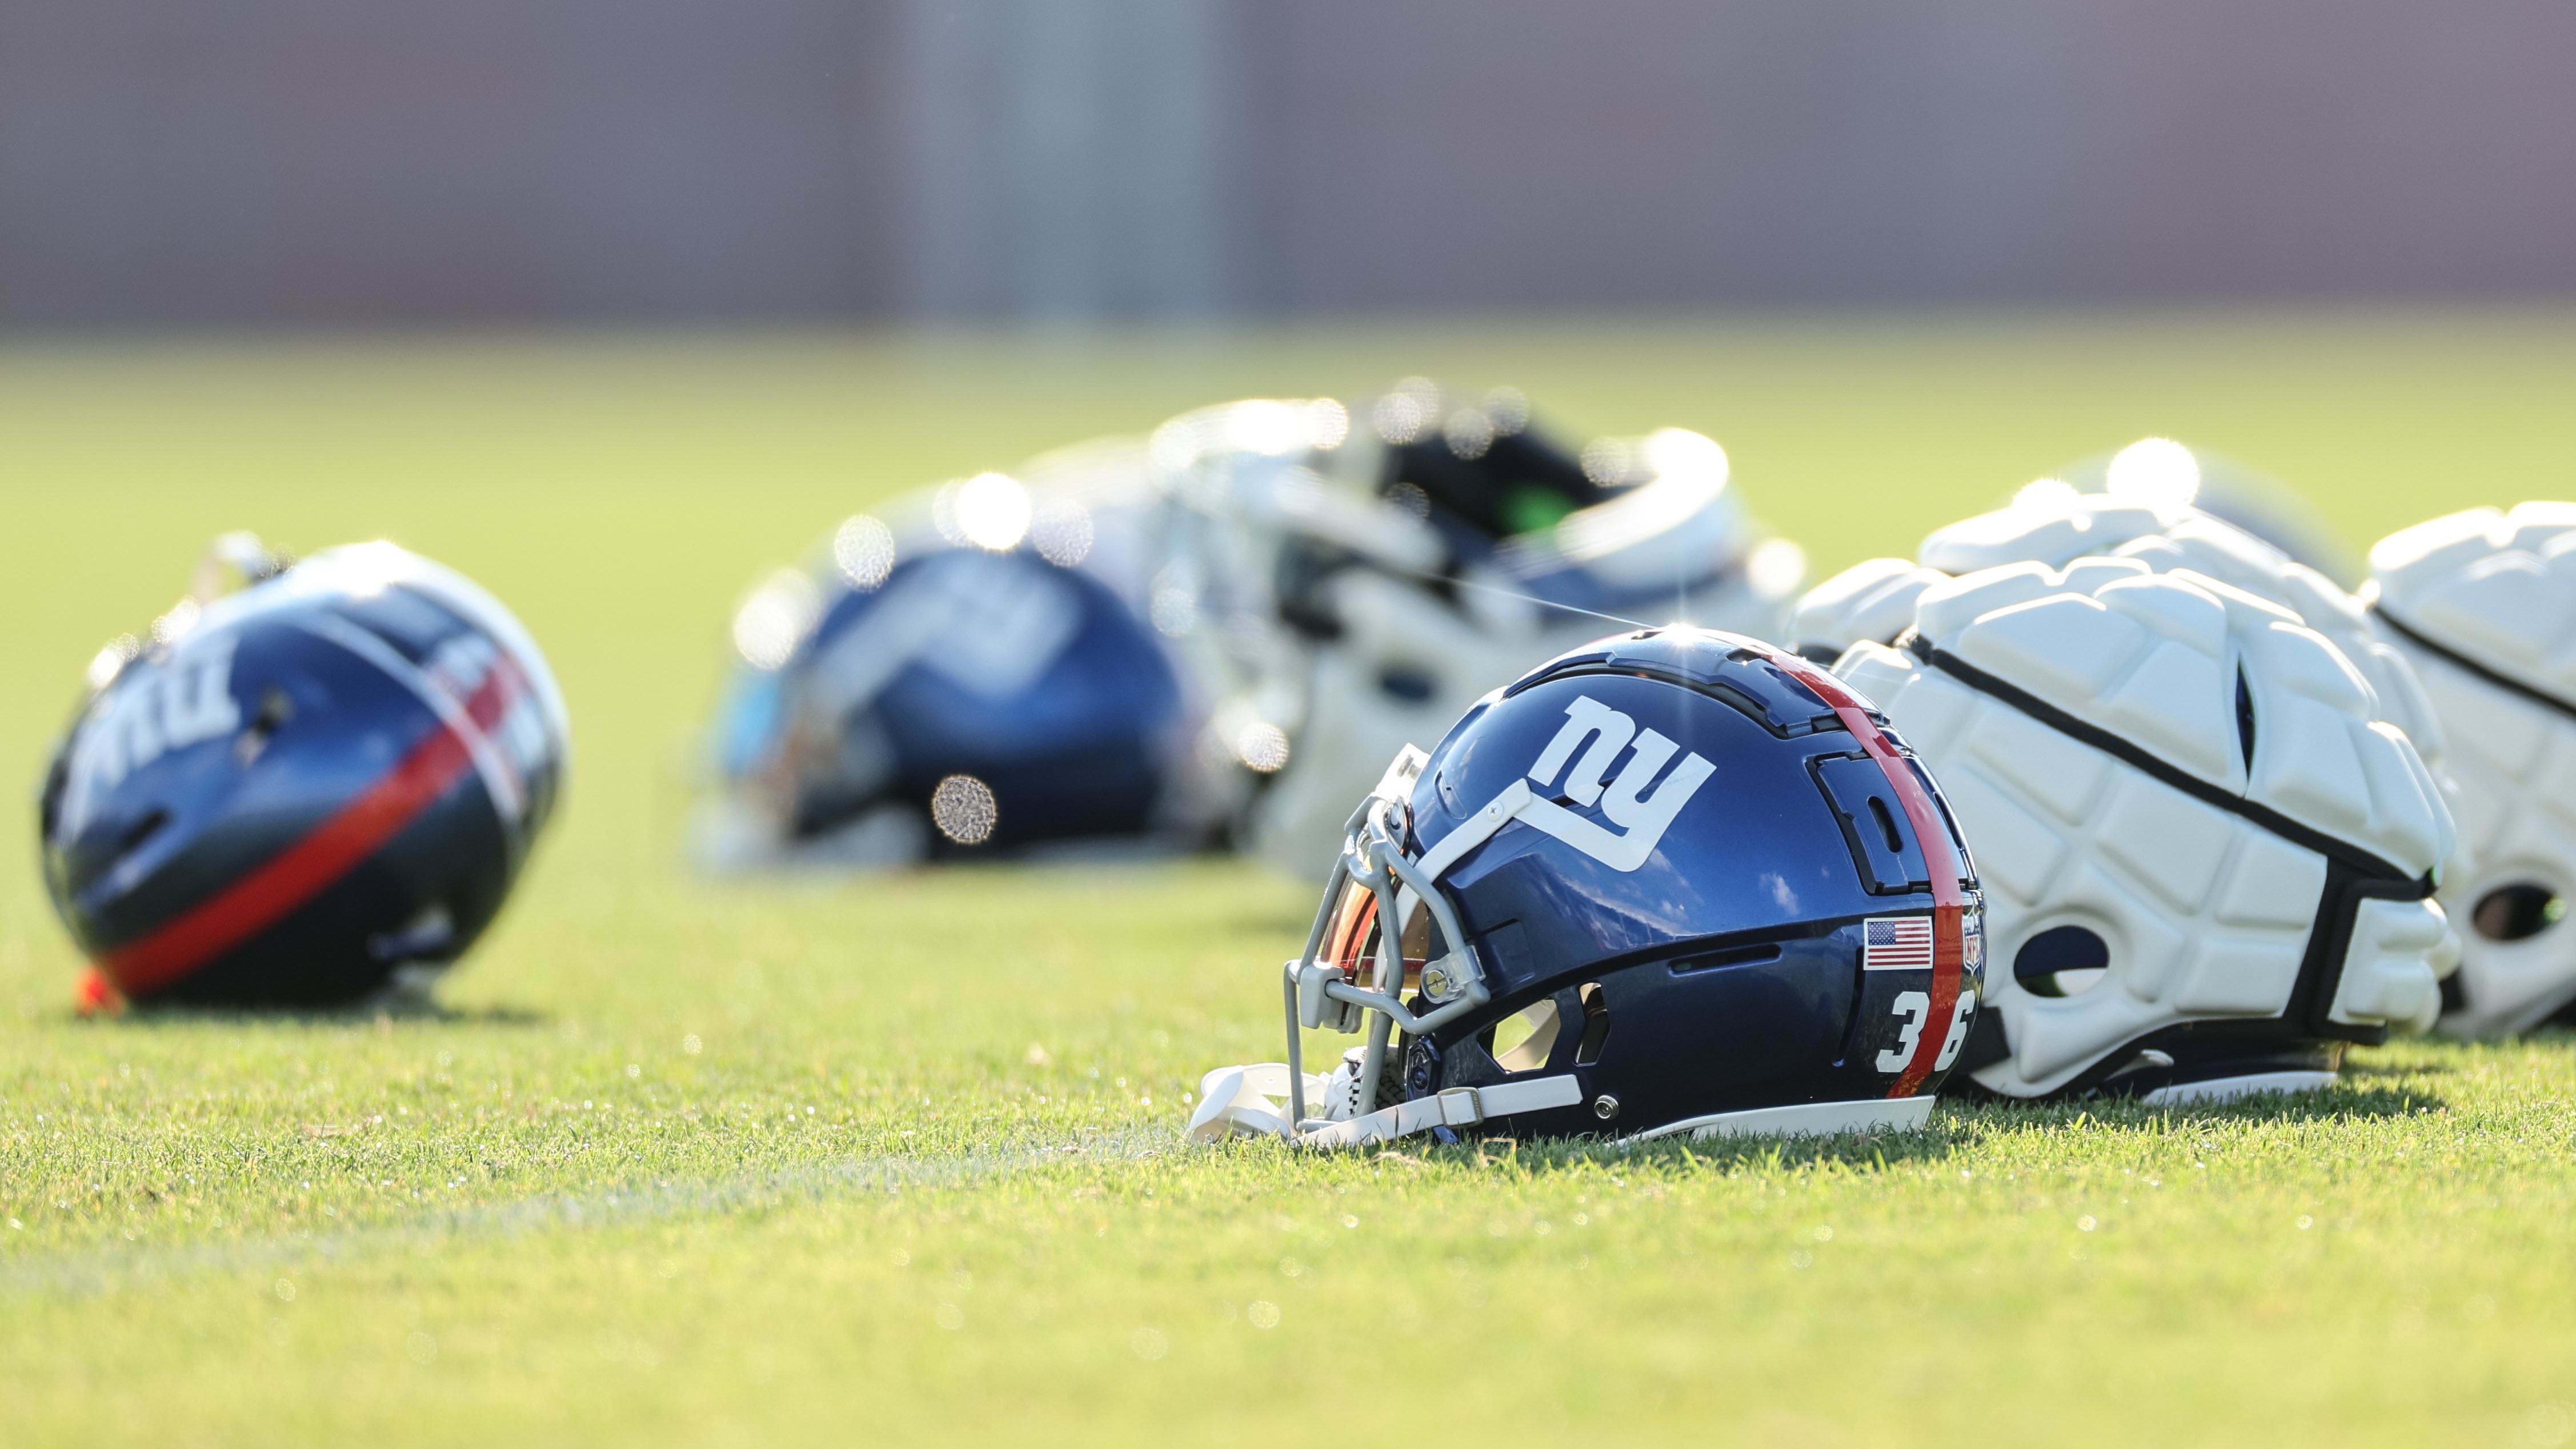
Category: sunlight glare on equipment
[2049,495]
[1606,461]
[1327,423]
[1262,747]
[111,659]
[1402,415]
[1679,452]
[1174,608]
[864,549]
[770,623]
[174,625]
[964,809]
[2155,471]
[1271,429]
[1776,566]
[1468,432]
[1686,471]
[1062,532]
[993,511]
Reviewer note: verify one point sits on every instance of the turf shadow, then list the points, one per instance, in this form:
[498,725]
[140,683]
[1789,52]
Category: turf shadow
[2352,1069]
[1959,1124]
[1858,1151]
[2345,1100]
[386,1012]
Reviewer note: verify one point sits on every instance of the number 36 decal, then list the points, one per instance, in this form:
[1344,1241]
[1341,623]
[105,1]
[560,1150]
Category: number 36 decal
[1915,1006]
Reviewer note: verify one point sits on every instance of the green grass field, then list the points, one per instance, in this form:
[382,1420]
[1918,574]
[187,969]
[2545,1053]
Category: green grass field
[897,1160]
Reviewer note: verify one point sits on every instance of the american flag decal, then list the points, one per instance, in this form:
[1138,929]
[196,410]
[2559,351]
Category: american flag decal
[1896,943]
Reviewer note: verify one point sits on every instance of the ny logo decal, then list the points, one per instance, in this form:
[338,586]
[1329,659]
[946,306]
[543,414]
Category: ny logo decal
[1601,732]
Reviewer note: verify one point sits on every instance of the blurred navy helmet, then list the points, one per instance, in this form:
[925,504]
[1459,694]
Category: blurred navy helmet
[297,793]
[1673,882]
[911,695]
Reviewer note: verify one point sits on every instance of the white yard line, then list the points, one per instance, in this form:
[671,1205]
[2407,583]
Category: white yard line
[90,1272]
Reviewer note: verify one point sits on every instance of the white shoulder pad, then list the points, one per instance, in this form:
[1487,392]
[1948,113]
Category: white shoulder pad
[1269,427]
[2497,587]
[2204,911]
[2493,594]
[1674,529]
[2158,661]
[2222,551]
[1679,523]
[1352,726]
[1871,600]
[2212,546]
[2044,525]
[1113,470]
[2055,528]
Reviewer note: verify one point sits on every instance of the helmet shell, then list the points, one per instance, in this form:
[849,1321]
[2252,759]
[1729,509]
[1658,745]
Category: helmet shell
[1720,966]
[329,776]
[1030,679]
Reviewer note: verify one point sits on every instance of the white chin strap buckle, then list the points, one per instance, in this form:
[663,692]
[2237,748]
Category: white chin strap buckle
[1460,1106]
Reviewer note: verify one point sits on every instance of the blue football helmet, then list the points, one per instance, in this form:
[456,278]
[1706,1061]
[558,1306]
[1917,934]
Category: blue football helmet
[1673,882]
[957,681]
[300,792]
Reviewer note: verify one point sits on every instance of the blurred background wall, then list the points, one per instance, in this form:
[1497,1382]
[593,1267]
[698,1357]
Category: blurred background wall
[298,161]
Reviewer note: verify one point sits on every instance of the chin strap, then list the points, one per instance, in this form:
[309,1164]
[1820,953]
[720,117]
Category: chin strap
[1247,1101]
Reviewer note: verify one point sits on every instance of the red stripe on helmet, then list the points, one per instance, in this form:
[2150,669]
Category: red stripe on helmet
[311,865]
[1940,857]
[503,687]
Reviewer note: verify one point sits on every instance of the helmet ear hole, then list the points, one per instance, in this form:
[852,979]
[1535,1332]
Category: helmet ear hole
[2062,961]
[2517,912]
[140,832]
[275,709]
[1596,1024]
[1886,826]
[1523,1041]
[49,804]
[1410,683]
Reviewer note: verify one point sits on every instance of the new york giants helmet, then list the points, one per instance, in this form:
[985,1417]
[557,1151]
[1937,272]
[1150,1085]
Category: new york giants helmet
[1672,882]
[2484,604]
[298,793]
[2207,867]
[954,680]
[1348,589]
